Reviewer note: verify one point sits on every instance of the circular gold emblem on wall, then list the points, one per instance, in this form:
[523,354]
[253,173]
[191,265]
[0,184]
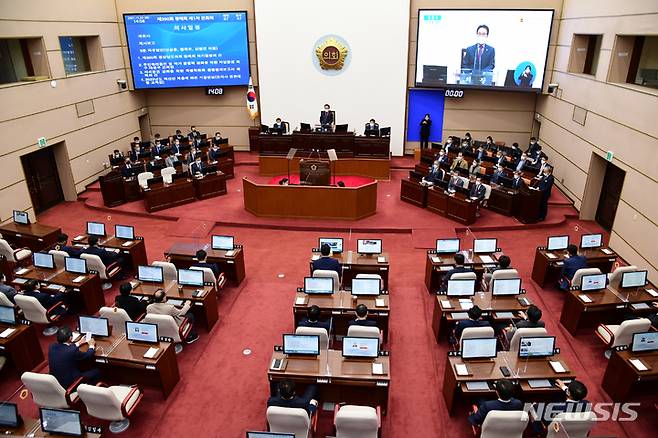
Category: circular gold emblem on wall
[331,54]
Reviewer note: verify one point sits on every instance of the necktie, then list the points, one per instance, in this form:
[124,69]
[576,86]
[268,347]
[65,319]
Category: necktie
[480,50]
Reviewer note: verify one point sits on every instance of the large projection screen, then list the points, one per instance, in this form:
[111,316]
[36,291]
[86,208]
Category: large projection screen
[371,85]
[493,48]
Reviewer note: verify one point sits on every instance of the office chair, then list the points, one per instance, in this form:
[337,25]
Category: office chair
[353,421]
[464,276]
[577,279]
[143,177]
[20,255]
[168,328]
[504,424]
[4,301]
[525,333]
[59,257]
[330,274]
[48,393]
[169,270]
[377,276]
[112,403]
[614,278]
[499,274]
[319,331]
[359,331]
[167,173]
[571,424]
[106,273]
[33,311]
[117,318]
[476,332]
[291,420]
[618,335]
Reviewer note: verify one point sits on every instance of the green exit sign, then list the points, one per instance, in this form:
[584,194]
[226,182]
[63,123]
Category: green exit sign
[41,141]
[609,155]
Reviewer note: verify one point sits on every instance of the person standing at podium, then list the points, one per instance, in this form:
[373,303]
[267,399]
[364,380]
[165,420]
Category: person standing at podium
[327,118]
[545,185]
[425,125]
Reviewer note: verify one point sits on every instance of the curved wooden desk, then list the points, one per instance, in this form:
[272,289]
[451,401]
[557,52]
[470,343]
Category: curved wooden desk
[311,202]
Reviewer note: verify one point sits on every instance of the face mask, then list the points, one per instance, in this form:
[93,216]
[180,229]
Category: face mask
[482,39]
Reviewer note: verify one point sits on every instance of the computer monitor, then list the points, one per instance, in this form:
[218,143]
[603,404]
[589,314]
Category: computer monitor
[593,282]
[366,286]
[75,266]
[94,325]
[9,415]
[479,348]
[588,241]
[301,345]
[269,435]
[341,128]
[318,285]
[43,260]
[360,348]
[557,242]
[7,315]
[447,246]
[335,243]
[483,246]
[95,229]
[190,277]
[126,232]
[150,274]
[264,128]
[461,288]
[142,332]
[222,242]
[506,286]
[369,246]
[644,342]
[633,279]
[61,421]
[305,127]
[537,346]
[385,132]
[21,217]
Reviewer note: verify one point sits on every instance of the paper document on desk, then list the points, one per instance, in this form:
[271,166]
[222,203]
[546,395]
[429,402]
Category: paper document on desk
[151,352]
[652,292]
[79,278]
[585,298]
[78,238]
[378,368]
[637,363]
[606,251]
[551,255]
[300,301]
[127,243]
[465,304]
[230,253]
[379,302]
[7,332]
[446,304]
[436,259]
[557,366]
[20,280]
[381,259]
[22,271]
[640,306]
[486,259]
[445,268]
[315,257]
[477,386]
[539,383]
[461,369]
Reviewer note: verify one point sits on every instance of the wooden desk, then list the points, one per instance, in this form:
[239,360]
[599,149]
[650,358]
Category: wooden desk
[122,361]
[36,236]
[87,295]
[342,307]
[607,306]
[204,308]
[311,202]
[22,347]
[135,251]
[413,192]
[522,370]
[502,200]
[527,205]
[210,185]
[376,168]
[621,378]
[354,264]
[31,427]
[442,316]
[183,255]
[457,207]
[161,195]
[346,144]
[338,380]
[548,270]
[435,270]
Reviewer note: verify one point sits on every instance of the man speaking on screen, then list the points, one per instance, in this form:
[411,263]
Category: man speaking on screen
[479,56]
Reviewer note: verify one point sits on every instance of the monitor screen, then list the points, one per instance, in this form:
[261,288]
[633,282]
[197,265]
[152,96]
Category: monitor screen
[537,346]
[216,44]
[222,242]
[8,414]
[449,246]
[557,242]
[593,282]
[269,435]
[506,286]
[7,315]
[369,246]
[318,285]
[142,332]
[190,277]
[366,286]
[360,347]
[307,345]
[61,421]
[95,326]
[461,288]
[336,243]
[124,232]
[95,229]
[21,217]
[152,274]
[479,348]
[644,342]
[43,260]
[633,279]
[484,245]
[591,240]
[483,48]
[76,266]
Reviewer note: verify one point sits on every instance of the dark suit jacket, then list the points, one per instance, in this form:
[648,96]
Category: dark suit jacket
[480,154]
[326,117]
[157,151]
[455,270]
[363,322]
[501,161]
[127,171]
[572,264]
[522,164]
[133,307]
[477,192]
[546,184]
[214,155]
[518,184]
[425,128]
[494,405]
[454,183]
[435,175]
[46,300]
[303,401]
[320,324]
[487,60]
[442,159]
[328,264]
[8,291]
[70,250]
[213,267]
[176,149]
[468,323]
[195,168]
[374,130]
[135,155]
[63,362]
[107,257]
[526,81]
[495,176]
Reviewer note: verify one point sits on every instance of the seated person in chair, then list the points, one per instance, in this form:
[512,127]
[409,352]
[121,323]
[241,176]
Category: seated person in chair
[531,319]
[31,289]
[201,257]
[455,181]
[7,290]
[61,245]
[477,190]
[64,357]
[362,317]
[216,140]
[571,264]
[474,320]
[505,402]
[497,176]
[161,307]
[459,268]
[313,319]
[286,397]
[133,306]
[503,263]
[372,128]
[575,402]
[326,262]
[279,127]
[435,175]
[197,167]
[459,161]
[327,117]
[107,257]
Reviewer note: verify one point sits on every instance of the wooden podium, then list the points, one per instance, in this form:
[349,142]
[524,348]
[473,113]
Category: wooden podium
[314,173]
[527,206]
[112,189]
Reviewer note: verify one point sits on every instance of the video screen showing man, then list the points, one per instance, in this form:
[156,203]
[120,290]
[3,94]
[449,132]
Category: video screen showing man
[480,56]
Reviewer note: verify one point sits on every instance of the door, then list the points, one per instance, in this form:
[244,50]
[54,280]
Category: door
[144,127]
[42,179]
[613,182]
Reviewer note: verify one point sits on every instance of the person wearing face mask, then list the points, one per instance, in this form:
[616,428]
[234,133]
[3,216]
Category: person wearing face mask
[545,185]
[449,145]
[477,192]
[216,140]
[515,153]
[543,164]
[497,176]
[491,145]
[279,127]
[480,153]
[517,182]
[474,167]
[459,161]
[442,158]
[327,118]
[435,174]
[480,56]
[197,168]
[454,182]
[372,128]
[176,148]
[532,146]
[127,168]
[425,125]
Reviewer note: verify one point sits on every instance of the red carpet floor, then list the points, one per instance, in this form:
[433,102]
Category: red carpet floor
[222,392]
